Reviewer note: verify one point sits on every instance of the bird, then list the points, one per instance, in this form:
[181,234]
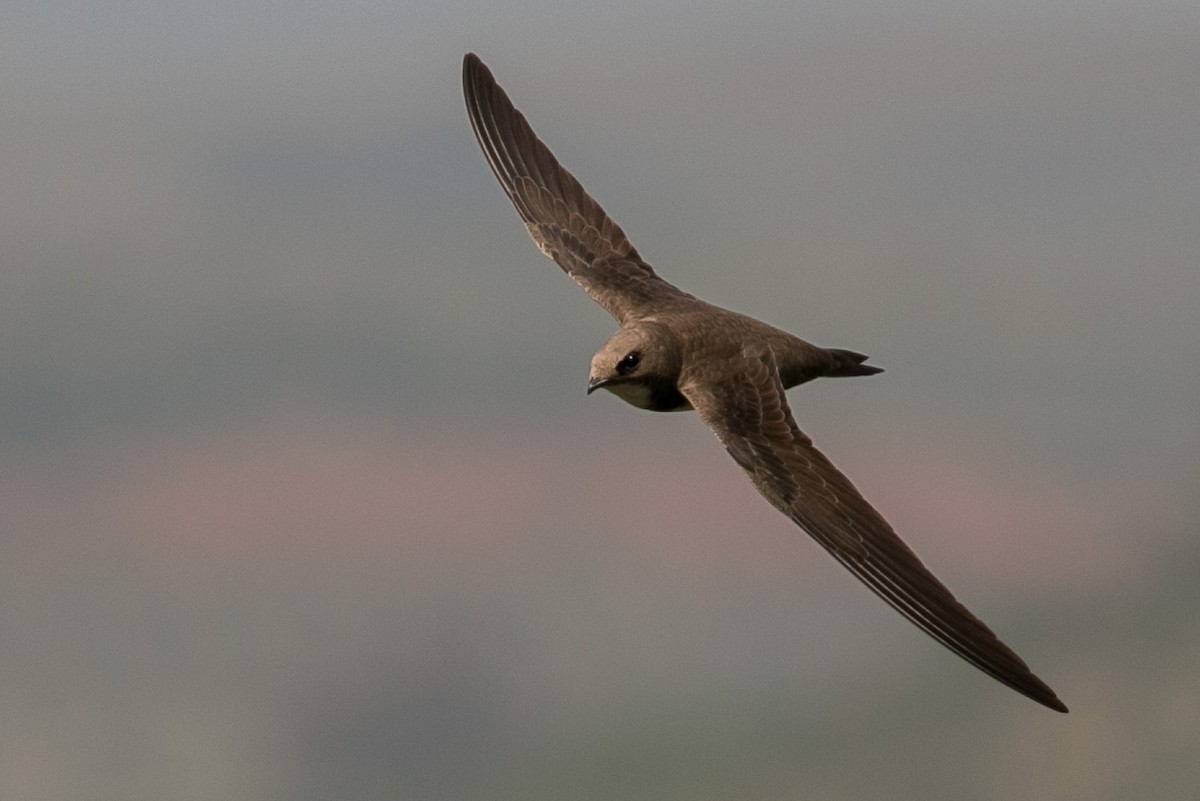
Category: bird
[675,352]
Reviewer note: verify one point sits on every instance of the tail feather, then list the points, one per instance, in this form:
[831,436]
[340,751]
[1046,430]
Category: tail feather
[849,363]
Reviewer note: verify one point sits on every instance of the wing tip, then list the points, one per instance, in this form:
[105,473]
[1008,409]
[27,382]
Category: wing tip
[473,71]
[1029,685]
[1049,699]
[471,61]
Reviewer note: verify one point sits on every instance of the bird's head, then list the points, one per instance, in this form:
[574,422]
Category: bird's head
[640,363]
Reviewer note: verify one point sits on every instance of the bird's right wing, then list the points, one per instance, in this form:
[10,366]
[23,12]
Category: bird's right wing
[564,221]
[748,412]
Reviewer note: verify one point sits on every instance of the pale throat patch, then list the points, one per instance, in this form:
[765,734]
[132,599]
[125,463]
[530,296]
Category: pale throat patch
[632,393]
[636,394]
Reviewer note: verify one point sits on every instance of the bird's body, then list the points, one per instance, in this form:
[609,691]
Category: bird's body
[705,335]
[674,352]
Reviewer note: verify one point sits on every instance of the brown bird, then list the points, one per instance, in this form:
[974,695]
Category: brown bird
[674,352]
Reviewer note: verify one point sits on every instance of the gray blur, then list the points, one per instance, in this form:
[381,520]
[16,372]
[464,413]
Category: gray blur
[300,496]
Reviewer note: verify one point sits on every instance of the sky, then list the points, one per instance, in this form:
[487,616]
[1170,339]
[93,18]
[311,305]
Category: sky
[301,495]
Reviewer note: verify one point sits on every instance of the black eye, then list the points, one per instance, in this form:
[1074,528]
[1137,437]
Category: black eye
[628,364]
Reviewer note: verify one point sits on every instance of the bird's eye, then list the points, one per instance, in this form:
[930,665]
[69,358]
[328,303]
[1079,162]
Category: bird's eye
[629,363]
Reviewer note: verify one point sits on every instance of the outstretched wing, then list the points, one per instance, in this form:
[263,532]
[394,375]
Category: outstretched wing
[748,412]
[564,221]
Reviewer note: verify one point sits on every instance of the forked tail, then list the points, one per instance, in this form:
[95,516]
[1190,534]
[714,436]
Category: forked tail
[850,363]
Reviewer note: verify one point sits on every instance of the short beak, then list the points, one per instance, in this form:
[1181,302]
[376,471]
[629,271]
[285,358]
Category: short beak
[595,384]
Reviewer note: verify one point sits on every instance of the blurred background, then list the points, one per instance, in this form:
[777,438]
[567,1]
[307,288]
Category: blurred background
[301,497]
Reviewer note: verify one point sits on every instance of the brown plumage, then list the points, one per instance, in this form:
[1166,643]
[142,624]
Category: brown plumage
[675,352]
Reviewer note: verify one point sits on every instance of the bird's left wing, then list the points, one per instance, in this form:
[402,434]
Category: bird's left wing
[563,220]
[747,410]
